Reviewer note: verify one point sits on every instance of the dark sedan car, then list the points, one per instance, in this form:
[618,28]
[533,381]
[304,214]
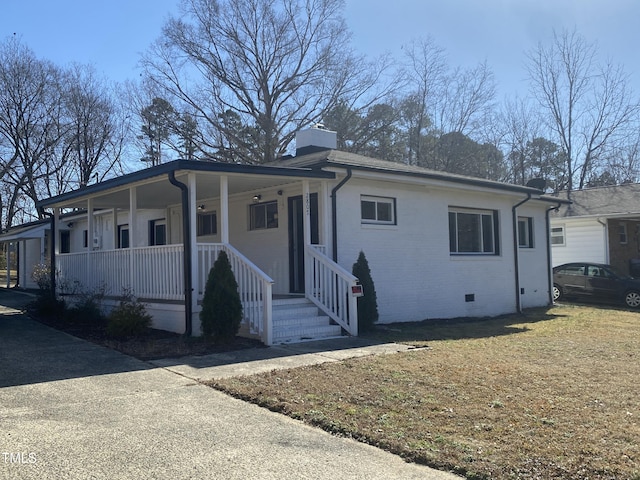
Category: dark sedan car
[596,281]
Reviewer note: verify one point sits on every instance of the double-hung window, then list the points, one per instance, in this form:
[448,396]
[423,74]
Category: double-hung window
[557,236]
[525,232]
[473,231]
[622,233]
[158,232]
[207,224]
[123,236]
[378,210]
[263,215]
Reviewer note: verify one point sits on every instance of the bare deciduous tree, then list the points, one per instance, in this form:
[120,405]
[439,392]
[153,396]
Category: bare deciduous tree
[95,138]
[587,105]
[276,65]
[30,105]
[442,100]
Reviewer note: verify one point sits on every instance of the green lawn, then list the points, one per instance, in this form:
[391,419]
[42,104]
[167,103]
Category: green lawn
[551,394]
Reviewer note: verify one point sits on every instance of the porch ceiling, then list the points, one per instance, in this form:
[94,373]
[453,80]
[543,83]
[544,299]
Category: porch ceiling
[159,192]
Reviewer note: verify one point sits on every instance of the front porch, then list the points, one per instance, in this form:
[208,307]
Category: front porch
[155,276]
[158,232]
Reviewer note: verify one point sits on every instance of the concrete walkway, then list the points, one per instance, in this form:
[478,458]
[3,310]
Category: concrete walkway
[70,409]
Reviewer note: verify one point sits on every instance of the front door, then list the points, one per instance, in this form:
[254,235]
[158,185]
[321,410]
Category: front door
[296,238]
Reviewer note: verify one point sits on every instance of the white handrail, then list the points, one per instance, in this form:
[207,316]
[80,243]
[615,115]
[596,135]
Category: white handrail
[329,287]
[254,286]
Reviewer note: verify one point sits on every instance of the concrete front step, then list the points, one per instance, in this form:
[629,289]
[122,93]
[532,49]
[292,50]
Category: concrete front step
[298,320]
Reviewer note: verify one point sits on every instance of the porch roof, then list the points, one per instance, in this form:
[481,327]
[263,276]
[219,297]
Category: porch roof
[154,192]
[26,231]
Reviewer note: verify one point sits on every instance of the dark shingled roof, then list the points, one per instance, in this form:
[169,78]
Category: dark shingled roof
[338,158]
[615,200]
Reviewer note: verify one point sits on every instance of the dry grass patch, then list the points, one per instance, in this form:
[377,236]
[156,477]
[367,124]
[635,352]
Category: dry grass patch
[548,395]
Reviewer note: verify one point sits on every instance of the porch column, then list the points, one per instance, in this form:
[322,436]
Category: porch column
[90,224]
[7,247]
[56,231]
[55,250]
[224,209]
[133,217]
[306,216]
[325,217]
[193,238]
[114,215]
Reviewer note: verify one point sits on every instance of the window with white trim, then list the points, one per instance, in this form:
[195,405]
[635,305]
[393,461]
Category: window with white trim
[525,232]
[377,210]
[263,215]
[557,236]
[65,241]
[207,224]
[473,231]
[622,233]
[123,236]
[158,232]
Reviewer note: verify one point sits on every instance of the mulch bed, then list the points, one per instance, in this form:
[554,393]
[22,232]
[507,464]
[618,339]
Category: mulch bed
[153,345]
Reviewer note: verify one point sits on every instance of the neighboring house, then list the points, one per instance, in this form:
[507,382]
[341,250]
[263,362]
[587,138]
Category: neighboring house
[601,225]
[439,245]
[30,244]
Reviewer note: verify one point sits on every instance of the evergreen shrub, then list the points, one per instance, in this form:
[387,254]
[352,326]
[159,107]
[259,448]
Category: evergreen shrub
[221,307]
[367,304]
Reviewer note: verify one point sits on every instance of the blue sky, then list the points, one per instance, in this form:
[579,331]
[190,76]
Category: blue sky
[112,34]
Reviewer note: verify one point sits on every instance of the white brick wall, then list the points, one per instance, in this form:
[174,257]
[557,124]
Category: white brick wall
[416,278]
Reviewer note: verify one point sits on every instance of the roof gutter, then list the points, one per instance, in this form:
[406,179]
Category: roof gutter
[549,268]
[186,234]
[334,214]
[516,257]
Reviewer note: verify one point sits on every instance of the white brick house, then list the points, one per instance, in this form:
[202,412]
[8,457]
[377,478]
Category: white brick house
[438,245]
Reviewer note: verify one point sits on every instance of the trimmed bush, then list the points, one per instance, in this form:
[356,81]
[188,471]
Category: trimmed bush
[367,304]
[129,319]
[221,307]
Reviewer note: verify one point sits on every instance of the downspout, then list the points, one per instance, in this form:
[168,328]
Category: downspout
[516,259]
[549,267]
[186,233]
[52,248]
[334,215]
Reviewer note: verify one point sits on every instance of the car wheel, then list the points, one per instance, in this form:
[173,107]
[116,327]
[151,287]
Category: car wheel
[632,299]
[557,292]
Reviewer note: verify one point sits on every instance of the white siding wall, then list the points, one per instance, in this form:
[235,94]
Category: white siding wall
[585,241]
[415,276]
[31,256]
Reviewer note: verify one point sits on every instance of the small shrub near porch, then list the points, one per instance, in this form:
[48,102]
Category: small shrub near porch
[221,307]
[128,319]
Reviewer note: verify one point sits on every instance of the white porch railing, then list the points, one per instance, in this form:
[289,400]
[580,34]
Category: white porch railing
[157,273]
[329,286]
[149,272]
[255,287]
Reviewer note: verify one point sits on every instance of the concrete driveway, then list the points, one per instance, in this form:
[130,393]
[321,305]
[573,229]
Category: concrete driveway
[70,409]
